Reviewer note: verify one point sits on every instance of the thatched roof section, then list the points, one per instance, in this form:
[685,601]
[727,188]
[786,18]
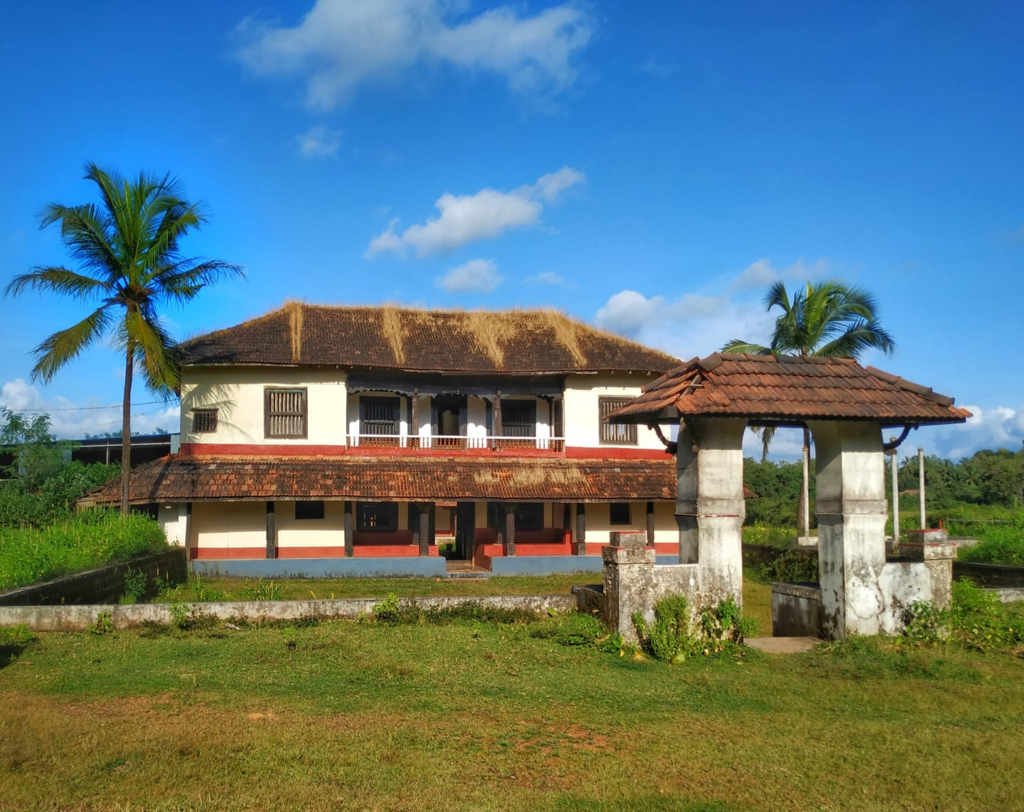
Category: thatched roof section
[403,339]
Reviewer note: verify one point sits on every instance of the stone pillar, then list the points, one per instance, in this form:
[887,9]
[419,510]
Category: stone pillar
[628,582]
[710,506]
[851,509]
[934,548]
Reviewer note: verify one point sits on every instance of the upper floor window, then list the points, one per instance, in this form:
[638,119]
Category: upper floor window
[285,413]
[519,418]
[378,416]
[204,421]
[615,433]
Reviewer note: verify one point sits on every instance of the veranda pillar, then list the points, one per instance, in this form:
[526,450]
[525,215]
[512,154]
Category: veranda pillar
[709,504]
[851,509]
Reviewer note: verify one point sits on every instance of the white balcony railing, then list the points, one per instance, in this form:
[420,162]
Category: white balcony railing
[455,442]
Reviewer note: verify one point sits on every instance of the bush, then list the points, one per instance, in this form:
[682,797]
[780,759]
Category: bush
[81,541]
[1000,544]
[791,566]
[976,619]
[673,636]
[260,590]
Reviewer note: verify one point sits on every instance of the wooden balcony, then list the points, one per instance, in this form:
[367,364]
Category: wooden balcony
[454,443]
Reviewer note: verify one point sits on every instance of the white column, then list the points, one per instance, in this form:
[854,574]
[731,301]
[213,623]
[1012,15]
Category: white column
[709,504]
[920,485]
[851,512]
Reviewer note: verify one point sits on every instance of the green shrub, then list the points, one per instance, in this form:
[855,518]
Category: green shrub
[674,636]
[790,566]
[90,538]
[104,624]
[260,590]
[1000,543]
[134,586]
[976,619]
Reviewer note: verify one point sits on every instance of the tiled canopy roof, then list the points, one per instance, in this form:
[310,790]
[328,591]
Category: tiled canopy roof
[390,338]
[786,390]
[186,479]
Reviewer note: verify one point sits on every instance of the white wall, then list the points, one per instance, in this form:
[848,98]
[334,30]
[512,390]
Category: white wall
[326,532]
[172,520]
[229,524]
[582,415]
[238,396]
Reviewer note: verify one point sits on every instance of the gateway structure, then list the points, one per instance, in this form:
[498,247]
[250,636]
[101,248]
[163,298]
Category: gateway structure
[323,440]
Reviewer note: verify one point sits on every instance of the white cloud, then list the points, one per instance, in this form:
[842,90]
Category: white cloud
[466,219]
[318,142]
[340,45]
[996,427]
[548,278]
[477,275]
[69,420]
[761,274]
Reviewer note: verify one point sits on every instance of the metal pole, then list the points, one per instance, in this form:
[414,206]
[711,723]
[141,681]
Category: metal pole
[895,498]
[920,483]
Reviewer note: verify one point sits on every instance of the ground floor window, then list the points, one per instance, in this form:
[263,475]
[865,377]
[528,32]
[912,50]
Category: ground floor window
[620,513]
[377,516]
[309,510]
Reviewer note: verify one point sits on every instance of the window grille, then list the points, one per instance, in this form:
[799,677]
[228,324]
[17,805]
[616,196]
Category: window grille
[285,413]
[519,418]
[377,516]
[204,421]
[615,433]
[379,416]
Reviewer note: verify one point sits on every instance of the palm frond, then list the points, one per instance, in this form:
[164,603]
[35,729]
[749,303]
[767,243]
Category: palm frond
[152,348]
[66,345]
[57,279]
[182,281]
[737,345]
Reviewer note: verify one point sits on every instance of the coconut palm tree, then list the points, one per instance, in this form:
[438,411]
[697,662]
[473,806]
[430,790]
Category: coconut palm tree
[129,264]
[827,320]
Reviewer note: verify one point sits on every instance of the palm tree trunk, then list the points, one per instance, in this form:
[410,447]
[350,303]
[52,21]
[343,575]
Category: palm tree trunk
[805,490]
[126,431]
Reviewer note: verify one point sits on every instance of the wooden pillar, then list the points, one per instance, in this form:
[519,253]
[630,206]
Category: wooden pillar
[579,541]
[350,531]
[497,415]
[421,533]
[510,533]
[414,419]
[271,532]
[189,545]
[650,524]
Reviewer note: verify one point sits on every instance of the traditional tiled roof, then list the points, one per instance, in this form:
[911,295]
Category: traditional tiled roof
[787,389]
[188,479]
[391,338]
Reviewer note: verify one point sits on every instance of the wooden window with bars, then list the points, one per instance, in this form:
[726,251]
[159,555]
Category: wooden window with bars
[285,413]
[204,421]
[381,517]
[615,433]
[519,418]
[379,416]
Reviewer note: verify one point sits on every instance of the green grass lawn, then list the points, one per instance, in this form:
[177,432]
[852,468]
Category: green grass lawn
[482,716]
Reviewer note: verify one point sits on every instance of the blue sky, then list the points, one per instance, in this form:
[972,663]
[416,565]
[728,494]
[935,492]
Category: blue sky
[649,173]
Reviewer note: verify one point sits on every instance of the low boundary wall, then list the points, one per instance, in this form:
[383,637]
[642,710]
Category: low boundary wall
[100,585]
[80,618]
[426,567]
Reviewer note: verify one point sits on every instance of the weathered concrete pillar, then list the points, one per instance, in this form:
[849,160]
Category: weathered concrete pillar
[709,504]
[851,508]
[934,548]
[628,582]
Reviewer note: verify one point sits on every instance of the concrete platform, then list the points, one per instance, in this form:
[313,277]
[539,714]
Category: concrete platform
[782,645]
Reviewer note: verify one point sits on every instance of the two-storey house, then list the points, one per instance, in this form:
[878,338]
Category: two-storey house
[320,440]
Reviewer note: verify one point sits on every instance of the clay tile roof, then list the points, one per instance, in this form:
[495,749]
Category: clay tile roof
[787,390]
[392,338]
[179,478]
